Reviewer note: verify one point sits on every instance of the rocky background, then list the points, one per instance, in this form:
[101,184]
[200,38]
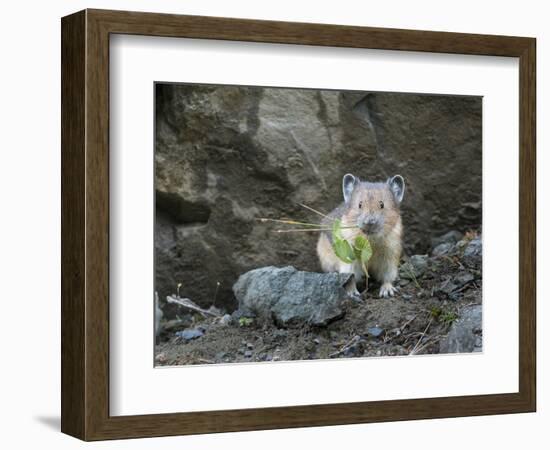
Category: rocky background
[225,156]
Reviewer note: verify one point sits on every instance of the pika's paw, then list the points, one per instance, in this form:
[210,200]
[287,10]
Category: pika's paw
[387,290]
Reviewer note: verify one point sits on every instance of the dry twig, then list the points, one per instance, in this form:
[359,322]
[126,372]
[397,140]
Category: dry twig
[187,303]
[415,348]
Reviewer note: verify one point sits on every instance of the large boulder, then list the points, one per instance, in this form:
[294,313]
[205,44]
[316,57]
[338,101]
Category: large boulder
[465,335]
[225,156]
[291,297]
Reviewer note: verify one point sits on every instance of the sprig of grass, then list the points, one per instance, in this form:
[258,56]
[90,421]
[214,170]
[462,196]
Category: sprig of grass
[359,250]
[298,230]
[317,212]
[289,222]
[409,268]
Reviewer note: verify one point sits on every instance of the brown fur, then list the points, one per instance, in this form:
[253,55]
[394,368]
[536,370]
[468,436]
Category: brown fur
[386,242]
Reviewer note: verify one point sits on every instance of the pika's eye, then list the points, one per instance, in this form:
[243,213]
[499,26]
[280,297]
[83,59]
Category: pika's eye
[360,205]
[381,204]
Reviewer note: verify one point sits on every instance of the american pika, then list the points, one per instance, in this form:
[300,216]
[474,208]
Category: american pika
[374,209]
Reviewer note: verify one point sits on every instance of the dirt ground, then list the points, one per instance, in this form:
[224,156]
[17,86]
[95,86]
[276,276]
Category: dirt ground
[412,322]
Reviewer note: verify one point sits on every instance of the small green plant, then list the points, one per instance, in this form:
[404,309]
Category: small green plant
[360,250]
[435,312]
[245,321]
[445,317]
[448,318]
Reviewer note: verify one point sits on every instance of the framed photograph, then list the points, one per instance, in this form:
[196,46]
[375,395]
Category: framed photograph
[273,225]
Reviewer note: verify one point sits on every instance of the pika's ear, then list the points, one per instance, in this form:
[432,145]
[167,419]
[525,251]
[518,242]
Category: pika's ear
[348,183]
[397,187]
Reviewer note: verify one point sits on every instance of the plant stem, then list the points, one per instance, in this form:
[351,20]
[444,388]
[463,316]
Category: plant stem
[290,222]
[306,229]
[316,212]
[365,269]
[298,230]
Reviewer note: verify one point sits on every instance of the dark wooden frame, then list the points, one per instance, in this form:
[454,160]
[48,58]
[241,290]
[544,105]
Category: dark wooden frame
[85,224]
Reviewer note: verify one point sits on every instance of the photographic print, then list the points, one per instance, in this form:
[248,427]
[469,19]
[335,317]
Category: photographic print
[303,224]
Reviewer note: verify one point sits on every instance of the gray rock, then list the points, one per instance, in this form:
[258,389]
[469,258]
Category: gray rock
[443,249]
[290,297]
[375,331]
[188,335]
[225,155]
[226,319]
[453,283]
[451,237]
[416,265]
[465,334]
[473,253]
[473,248]
[462,278]
[356,349]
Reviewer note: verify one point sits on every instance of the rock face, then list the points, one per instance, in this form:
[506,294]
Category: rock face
[465,334]
[225,156]
[290,297]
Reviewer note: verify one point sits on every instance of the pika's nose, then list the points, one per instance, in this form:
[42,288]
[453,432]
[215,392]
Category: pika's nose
[369,223]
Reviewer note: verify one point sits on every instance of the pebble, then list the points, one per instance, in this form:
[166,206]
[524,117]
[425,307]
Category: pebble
[451,237]
[442,249]
[375,331]
[191,334]
[226,319]
[452,285]
[473,248]
[463,278]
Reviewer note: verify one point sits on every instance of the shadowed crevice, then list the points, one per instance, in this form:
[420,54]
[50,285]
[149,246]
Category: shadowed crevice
[182,211]
[367,110]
